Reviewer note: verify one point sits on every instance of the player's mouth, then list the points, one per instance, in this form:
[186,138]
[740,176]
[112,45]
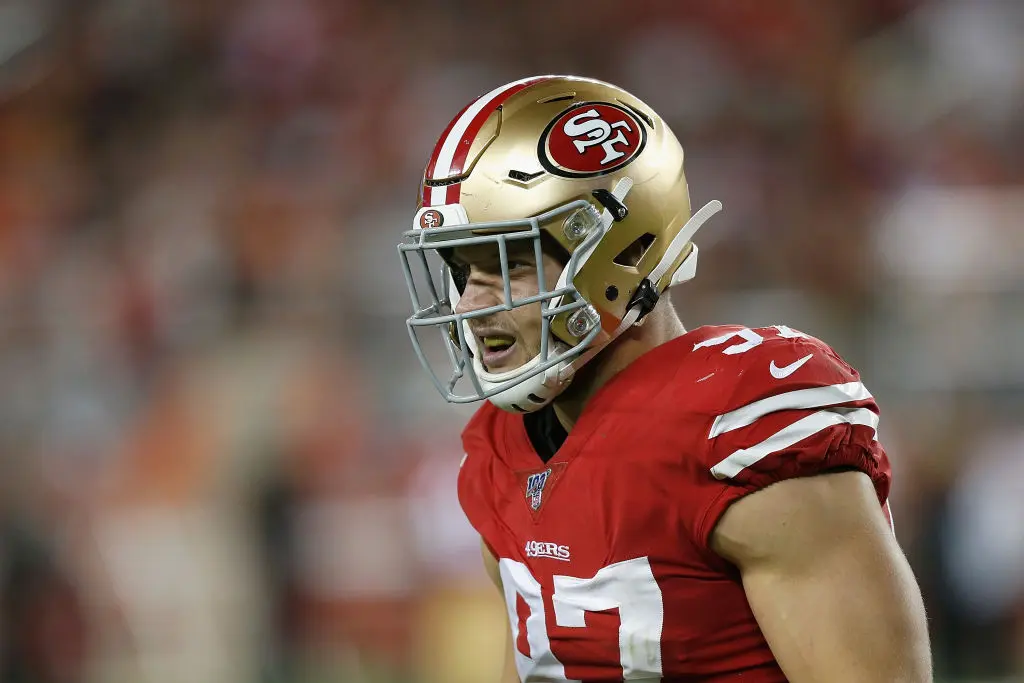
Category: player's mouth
[496,350]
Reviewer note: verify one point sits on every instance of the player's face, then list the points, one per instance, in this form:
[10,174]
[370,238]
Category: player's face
[507,339]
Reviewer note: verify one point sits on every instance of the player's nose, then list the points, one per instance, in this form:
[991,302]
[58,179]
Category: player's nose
[481,291]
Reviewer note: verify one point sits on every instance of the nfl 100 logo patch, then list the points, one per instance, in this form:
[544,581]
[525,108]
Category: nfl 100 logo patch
[535,488]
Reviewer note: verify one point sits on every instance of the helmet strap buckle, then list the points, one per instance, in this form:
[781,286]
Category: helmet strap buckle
[645,298]
[608,200]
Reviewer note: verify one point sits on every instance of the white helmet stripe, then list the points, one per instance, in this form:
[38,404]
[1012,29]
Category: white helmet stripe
[444,164]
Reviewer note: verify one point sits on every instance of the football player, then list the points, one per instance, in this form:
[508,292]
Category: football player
[653,503]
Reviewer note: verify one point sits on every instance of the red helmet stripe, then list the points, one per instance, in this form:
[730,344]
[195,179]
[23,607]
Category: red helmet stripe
[452,148]
[429,173]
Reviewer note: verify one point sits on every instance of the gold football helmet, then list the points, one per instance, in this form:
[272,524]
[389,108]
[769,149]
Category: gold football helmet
[576,160]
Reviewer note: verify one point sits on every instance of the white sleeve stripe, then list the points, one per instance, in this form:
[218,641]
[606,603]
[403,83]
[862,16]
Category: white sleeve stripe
[794,433]
[815,397]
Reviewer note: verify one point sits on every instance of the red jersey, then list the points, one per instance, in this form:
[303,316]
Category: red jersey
[603,550]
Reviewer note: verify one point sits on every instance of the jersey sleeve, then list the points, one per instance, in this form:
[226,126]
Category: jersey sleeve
[796,409]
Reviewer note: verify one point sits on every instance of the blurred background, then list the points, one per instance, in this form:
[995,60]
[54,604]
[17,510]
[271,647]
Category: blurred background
[219,458]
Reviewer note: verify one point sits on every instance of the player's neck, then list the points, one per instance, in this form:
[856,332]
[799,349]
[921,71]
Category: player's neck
[661,325]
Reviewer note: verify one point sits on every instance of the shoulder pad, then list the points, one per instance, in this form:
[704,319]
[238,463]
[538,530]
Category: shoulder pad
[786,388]
[742,364]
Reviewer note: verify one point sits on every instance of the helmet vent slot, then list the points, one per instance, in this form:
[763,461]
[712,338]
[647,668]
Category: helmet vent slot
[444,182]
[523,176]
[647,119]
[631,255]
[558,98]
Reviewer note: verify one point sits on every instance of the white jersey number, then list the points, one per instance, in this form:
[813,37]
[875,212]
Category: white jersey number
[628,586]
[750,339]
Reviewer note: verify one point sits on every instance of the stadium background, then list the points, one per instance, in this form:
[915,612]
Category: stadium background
[219,461]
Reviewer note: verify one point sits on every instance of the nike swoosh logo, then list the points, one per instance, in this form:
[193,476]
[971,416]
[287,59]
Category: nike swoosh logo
[787,370]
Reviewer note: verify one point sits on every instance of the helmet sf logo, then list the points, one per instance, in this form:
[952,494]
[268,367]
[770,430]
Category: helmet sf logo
[431,218]
[591,139]
[589,129]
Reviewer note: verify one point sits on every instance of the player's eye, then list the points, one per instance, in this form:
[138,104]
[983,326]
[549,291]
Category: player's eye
[460,276]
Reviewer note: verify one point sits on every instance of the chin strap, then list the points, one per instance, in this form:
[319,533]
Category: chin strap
[675,248]
[646,296]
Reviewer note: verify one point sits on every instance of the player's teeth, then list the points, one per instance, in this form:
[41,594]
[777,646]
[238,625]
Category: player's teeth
[498,342]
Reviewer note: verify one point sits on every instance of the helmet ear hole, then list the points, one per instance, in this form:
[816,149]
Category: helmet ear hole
[631,255]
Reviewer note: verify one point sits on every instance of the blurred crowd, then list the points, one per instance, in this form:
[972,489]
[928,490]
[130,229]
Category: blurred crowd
[219,458]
